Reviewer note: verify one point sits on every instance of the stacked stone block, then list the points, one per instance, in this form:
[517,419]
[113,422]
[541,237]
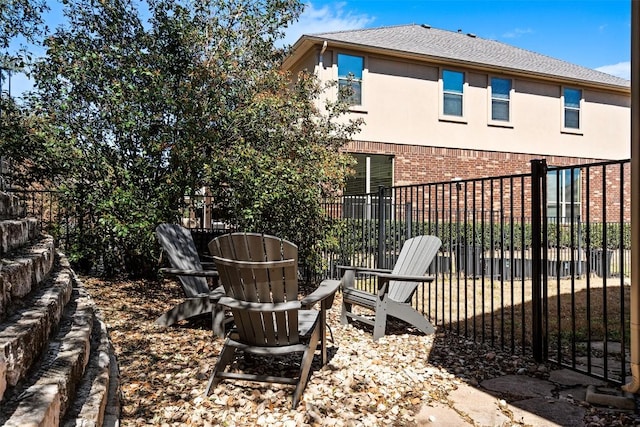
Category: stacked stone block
[56,362]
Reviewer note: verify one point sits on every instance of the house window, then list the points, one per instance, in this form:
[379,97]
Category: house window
[361,198]
[500,99]
[371,171]
[452,91]
[350,78]
[572,100]
[563,193]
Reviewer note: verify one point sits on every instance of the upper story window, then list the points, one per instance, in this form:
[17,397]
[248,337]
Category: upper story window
[572,101]
[350,69]
[500,99]
[452,93]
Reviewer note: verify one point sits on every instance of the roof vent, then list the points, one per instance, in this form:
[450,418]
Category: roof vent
[471,35]
[459,30]
[427,26]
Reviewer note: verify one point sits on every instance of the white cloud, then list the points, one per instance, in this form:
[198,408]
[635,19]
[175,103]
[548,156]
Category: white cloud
[328,18]
[621,69]
[517,33]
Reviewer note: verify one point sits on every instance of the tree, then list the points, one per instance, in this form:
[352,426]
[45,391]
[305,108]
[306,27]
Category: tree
[140,113]
[20,18]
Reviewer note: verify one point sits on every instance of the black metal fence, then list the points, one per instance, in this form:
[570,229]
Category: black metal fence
[535,263]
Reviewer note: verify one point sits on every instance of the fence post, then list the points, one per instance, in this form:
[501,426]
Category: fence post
[538,191]
[381,227]
[408,219]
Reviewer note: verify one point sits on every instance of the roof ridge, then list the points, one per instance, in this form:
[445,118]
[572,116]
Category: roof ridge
[553,58]
[357,30]
[470,47]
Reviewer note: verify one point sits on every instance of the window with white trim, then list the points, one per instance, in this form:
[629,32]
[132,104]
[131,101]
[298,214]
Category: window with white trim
[371,171]
[452,93]
[350,68]
[563,195]
[500,99]
[572,99]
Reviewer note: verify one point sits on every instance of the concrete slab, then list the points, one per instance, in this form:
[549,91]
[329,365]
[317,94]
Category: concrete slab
[521,386]
[480,406]
[545,412]
[438,414]
[568,377]
[610,397]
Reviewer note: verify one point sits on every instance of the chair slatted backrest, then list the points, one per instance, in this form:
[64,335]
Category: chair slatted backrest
[415,257]
[179,247]
[264,283]
[255,247]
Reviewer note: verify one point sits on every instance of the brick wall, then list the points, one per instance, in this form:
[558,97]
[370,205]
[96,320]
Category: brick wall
[601,185]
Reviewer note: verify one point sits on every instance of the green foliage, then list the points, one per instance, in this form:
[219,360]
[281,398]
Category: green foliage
[357,236]
[134,114]
[275,176]
[20,18]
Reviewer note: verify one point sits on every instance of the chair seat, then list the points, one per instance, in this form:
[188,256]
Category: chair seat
[358,297]
[307,322]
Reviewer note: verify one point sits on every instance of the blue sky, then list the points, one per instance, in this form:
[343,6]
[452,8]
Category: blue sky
[591,33]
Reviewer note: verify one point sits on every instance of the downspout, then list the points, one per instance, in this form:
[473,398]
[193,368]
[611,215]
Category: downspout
[321,57]
[634,385]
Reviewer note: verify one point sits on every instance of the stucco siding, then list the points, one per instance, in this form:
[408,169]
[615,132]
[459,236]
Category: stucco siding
[401,102]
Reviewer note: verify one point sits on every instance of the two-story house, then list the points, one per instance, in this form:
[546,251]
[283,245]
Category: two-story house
[441,105]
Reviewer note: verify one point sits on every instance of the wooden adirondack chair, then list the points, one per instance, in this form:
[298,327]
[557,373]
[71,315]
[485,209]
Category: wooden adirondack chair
[269,318]
[242,246]
[180,249]
[395,287]
[252,247]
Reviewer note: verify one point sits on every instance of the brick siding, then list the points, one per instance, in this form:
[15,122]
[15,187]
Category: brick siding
[421,165]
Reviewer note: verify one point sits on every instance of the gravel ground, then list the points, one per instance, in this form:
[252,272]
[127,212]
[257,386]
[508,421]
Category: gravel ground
[164,371]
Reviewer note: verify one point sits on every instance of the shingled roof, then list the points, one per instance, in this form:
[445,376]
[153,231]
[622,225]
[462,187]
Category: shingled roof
[453,46]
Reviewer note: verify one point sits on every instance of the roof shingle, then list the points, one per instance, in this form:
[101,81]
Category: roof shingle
[458,46]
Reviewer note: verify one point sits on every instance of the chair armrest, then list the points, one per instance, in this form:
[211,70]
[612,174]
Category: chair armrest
[208,265]
[363,269]
[405,278]
[385,278]
[198,273]
[259,306]
[326,290]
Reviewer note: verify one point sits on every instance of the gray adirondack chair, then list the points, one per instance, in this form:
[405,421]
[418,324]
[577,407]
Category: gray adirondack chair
[243,246]
[269,319]
[252,247]
[179,247]
[395,287]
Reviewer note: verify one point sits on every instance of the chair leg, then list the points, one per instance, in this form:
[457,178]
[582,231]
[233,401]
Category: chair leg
[346,308]
[218,321]
[412,317]
[305,366]
[380,322]
[225,358]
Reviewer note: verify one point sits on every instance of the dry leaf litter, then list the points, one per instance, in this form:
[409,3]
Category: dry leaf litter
[164,370]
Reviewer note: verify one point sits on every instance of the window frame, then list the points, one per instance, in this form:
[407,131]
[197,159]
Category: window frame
[564,108]
[559,181]
[450,117]
[361,80]
[509,100]
[358,204]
